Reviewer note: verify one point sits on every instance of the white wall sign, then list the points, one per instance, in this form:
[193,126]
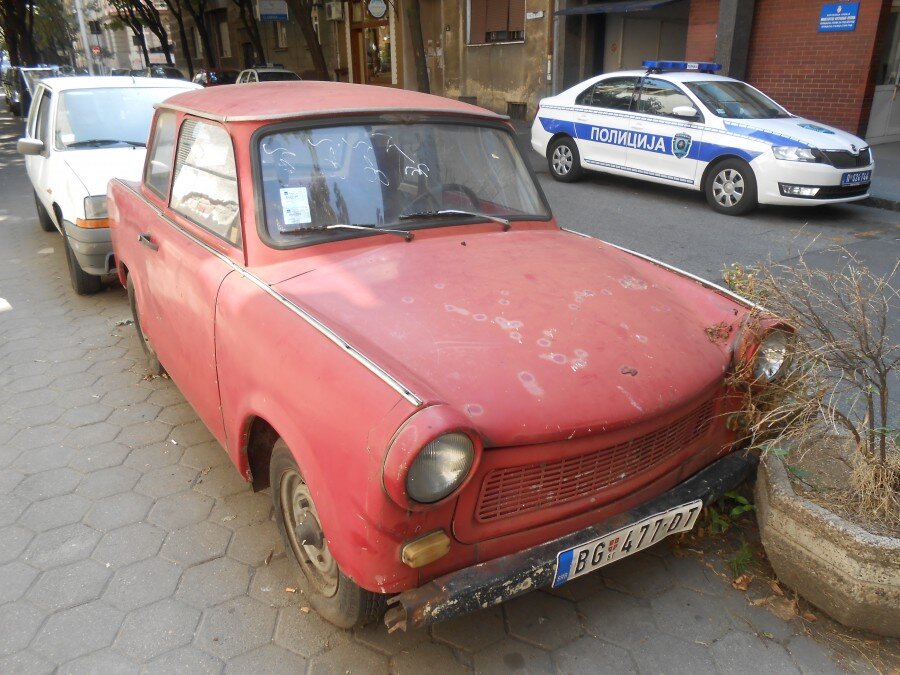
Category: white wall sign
[271,10]
[377,8]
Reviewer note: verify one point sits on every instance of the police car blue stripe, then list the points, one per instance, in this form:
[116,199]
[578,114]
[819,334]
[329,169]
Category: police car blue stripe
[764,136]
[697,150]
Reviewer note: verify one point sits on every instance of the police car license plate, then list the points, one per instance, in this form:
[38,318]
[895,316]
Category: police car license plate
[581,560]
[856,177]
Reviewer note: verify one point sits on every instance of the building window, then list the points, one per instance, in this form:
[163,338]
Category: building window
[496,21]
[279,28]
[224,40]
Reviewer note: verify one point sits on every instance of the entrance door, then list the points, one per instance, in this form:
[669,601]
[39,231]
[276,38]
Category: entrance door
[371,51]
[884,120]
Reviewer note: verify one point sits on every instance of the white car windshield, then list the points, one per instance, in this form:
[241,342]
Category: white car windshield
[97,118]
[736,100]
[391,176]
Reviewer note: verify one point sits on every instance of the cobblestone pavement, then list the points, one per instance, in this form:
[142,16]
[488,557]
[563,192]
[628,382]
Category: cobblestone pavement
[129,543]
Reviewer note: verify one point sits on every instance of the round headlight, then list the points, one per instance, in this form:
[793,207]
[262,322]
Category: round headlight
[772,356]
[440,468]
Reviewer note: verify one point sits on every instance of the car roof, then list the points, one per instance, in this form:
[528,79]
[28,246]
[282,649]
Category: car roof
[267,101]
[113,82]
[270,69]
[671,75]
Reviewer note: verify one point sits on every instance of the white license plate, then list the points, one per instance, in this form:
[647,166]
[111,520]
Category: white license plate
[586,558]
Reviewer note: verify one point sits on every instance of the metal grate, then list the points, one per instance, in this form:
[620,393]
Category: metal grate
[512,491]
[842,159]
[516,111]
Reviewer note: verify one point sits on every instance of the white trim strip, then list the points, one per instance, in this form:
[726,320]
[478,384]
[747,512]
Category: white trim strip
[336,112]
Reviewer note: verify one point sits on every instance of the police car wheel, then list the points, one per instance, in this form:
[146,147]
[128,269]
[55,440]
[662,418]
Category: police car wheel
[564,160]
[731,187]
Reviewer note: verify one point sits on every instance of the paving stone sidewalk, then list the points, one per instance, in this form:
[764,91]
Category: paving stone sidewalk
[128,543]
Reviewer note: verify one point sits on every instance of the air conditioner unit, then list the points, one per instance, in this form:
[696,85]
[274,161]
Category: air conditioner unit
[334,11]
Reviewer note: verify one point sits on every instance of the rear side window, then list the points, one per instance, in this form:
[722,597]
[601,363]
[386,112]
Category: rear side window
[42,120]
[205,185]
[159,164]
[614,93]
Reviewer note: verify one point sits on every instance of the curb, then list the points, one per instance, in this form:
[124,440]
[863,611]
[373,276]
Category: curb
[874,202]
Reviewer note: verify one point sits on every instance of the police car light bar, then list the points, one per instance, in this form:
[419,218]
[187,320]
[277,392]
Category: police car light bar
[693,66]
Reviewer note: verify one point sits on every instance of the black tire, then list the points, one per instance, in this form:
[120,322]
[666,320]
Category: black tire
[153,364]
[15,109]
[82,282]
[44,219]
[335,596]
[730,187]
[564,160]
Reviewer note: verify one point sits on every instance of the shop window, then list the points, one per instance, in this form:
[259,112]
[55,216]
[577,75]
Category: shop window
[496,21]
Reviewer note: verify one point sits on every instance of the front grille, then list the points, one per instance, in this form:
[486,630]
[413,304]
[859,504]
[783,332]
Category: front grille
[840,191]
[512,491]
[844,159]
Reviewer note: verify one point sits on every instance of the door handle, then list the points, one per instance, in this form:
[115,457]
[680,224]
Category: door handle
[147,241]
[637,125]
[581,118]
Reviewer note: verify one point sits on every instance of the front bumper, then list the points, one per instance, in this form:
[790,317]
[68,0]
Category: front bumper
[490,583]
[92,247]
[771,174]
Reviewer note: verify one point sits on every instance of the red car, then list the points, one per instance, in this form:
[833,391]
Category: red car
[365,297]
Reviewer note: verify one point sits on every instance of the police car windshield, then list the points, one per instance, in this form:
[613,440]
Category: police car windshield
[736,100]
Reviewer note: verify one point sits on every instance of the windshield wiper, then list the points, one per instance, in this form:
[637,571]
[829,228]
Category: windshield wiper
[443,213]
[406,234]
[106,141]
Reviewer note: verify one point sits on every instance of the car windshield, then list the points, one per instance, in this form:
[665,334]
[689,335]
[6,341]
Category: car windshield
[394,176]
[270,76]
[93,118]
[736,100]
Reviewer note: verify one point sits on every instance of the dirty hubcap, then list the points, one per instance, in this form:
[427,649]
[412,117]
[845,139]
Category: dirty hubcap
[562,160]
[301,522]
[728,187]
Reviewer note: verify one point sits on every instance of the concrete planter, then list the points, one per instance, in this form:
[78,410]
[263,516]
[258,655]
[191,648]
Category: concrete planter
[847,572]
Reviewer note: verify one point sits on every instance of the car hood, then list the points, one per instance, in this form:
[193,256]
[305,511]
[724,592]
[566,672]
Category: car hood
[796,131]
[534,335]
[95,167]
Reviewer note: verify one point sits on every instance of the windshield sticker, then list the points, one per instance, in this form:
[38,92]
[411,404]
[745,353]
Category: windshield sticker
[816,127]
[294,208]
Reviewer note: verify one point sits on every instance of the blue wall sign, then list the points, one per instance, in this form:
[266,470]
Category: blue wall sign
[838,17]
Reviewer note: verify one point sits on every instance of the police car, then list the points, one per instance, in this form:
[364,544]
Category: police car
[679,123]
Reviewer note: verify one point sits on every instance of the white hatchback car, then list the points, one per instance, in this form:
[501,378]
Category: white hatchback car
[81,132]
[680,124]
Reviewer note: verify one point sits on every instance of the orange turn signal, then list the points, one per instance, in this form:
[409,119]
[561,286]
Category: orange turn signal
[93,223]
[426,549]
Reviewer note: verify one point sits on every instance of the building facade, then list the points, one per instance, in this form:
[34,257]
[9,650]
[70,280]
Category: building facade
[506,55]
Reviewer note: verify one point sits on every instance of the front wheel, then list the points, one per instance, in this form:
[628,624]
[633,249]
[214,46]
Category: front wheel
[82,282]
[331,593]
[564,160]
[44,219]
[731,187]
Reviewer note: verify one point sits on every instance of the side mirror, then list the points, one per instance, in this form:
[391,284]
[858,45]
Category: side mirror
[29,146]
[688,111]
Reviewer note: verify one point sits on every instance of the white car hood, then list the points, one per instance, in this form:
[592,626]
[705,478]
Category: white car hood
[797,131]
[95,167]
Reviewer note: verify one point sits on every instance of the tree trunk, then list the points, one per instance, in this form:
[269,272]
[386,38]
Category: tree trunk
[414,23]
[198,14]
[248,18]
[303,11]
[175,8]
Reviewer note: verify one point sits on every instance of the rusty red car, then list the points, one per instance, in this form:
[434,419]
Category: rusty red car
[364,295]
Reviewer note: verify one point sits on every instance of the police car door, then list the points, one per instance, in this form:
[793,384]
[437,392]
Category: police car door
[602,121]
[662,146]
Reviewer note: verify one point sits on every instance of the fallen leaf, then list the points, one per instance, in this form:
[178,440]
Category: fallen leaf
[759,601]
[809,616]
[776,589]
[767,635]
[269,557]
[742,583]
[290,590]
[206,471]
[783,608]
[305,610]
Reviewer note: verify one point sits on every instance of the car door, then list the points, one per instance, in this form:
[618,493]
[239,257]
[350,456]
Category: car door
[602,120]
[38,167]
[188,252]
[663,146]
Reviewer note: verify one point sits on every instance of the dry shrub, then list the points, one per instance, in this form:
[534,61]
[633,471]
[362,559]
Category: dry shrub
[842,369]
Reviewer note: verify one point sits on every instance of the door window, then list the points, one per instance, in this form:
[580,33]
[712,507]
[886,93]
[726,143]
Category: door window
[658,97]
[42,120]
[205,185]
[615,93]
[159,165]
